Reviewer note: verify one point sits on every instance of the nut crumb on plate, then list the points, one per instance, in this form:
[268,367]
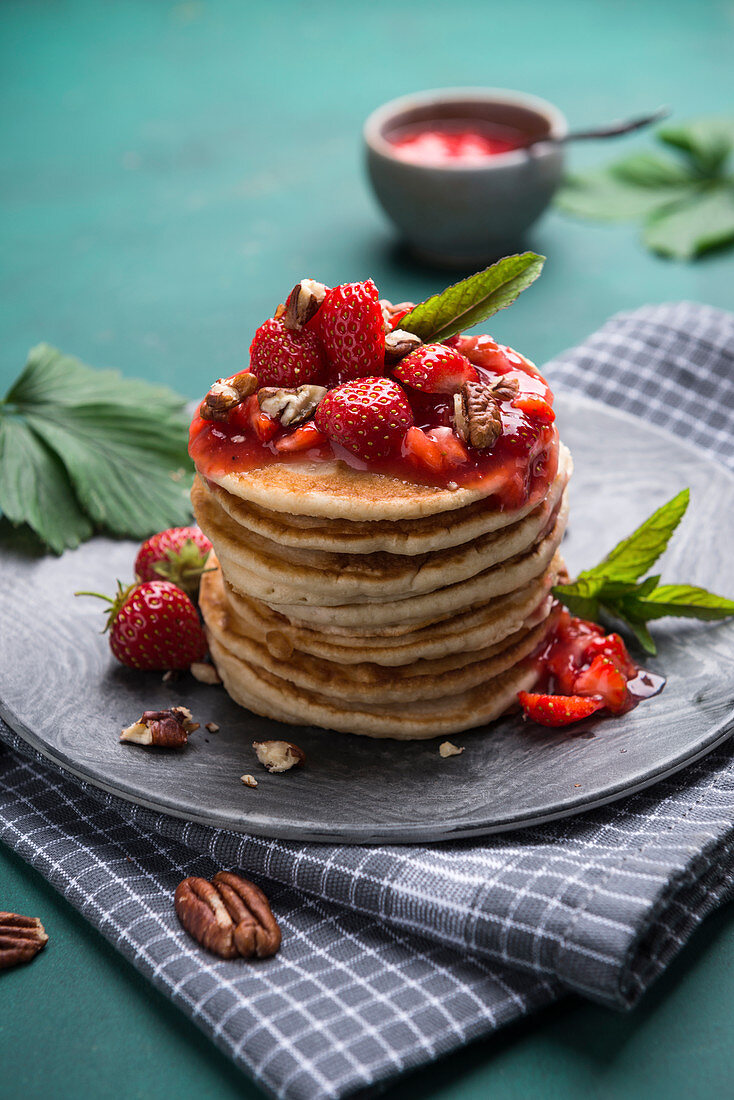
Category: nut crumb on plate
[212,727]
[249,780]
[205,673]
[447,748]
[278,756]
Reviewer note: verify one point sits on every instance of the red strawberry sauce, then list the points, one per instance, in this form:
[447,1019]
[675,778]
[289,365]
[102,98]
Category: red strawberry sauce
[459,141]
[522,463]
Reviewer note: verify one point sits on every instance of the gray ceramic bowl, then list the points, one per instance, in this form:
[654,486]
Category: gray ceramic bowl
[466,214]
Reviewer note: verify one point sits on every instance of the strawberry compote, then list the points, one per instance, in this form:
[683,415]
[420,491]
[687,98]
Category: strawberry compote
[518,468]
[578,660]
[458,141]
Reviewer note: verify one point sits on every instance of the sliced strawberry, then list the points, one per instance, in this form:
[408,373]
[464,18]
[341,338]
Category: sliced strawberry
[604,679]
[452,449]
[282,357]
[536,407]
[434,368]
[369,417]
[611,646]
[423,451]
[351,329]
[483,351]
[302,439]
[557,710]
[250,417]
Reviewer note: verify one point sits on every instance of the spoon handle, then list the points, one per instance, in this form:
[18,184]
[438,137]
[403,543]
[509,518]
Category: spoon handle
[614,129]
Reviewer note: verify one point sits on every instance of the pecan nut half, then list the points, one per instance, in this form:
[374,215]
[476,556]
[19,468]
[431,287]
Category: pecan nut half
[167,729]
[477,415]
[506,389]
[21,938]
[291,406]
[278,756]
[303,303]
[226,393]
[400,343]
[229,916]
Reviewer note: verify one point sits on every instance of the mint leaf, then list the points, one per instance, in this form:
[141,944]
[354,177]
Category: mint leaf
[652,171]
[678,601]
[707,141]
[474,299]
[35,489]
[634,555]
[643,635]
[694,227]
[103,451]
[581,597]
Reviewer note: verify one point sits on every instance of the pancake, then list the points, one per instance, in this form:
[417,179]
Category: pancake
[276,698]
[368,682]
[398,536]
[329,578]
[460,634]
[337,490]
[424,608]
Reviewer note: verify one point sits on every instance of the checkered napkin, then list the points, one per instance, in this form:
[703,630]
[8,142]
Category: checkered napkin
[393,956]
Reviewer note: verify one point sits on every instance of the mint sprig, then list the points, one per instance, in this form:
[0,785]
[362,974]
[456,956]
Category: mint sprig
[473,299]
[614,587]
[686,205]
[84,450]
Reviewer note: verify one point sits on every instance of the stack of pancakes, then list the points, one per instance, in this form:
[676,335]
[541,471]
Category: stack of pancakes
[359,602]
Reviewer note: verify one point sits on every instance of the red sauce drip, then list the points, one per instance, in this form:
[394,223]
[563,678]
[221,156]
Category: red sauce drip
[520,467]
[461,141]
[566,656]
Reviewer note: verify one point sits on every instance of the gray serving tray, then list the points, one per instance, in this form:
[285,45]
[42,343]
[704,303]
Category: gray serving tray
[62,691]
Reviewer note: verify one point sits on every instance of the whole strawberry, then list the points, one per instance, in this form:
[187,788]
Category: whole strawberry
[369,417]
[434,368]
[351,329]
[178,555]
[153,625]
[282,357]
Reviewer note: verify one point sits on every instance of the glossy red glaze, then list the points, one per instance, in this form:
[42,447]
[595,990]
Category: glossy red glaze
[462,141]
[520,466]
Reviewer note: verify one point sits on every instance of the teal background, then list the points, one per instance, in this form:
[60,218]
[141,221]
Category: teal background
[167,172]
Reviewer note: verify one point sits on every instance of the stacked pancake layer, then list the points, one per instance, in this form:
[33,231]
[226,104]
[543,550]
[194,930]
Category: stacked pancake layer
[402,617]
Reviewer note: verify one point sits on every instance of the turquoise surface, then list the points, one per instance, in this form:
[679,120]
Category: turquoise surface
[168,170]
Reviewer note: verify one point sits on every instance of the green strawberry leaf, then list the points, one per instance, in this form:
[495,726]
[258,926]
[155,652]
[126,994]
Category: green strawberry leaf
[634,555]
[695,226]
[35,489]
[87,449]
[610,194]
[474,299]
[707,141]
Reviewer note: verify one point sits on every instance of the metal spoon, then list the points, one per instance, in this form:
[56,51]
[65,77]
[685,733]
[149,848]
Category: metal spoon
[614,129]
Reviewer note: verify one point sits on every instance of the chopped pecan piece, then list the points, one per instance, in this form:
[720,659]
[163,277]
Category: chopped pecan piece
[229,916]
[505,389]
[448,748]
[21,938]
[303,302]
[249,780]
[477,415]
[278,756]
[167,729]
[226,393]
[400,343]
[291,407]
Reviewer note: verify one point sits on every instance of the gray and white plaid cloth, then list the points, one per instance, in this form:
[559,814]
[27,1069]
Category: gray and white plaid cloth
[394,956]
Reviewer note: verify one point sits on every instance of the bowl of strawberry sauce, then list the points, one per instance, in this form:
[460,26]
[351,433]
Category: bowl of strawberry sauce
[463,173]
